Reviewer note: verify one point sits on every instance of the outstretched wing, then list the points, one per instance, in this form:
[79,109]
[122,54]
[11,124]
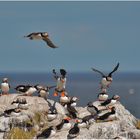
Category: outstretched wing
[49,42]
[115,69]
[95,70]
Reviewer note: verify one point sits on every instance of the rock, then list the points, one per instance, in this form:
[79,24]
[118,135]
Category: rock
[35,118]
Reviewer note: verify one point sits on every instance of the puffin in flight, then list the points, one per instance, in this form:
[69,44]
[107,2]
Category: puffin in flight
[41,36]
[106,79]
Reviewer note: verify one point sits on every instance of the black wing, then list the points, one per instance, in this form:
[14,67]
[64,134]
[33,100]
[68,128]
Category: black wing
[115,69]
[49,42]
[63,72]
[45,134]
[98,72]
[105,116]
[106,102]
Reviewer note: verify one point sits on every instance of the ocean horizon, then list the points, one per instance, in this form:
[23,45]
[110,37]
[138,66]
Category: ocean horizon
[85,86]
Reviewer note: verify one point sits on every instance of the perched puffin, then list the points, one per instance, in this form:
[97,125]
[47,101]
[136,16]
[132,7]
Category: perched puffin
[106,79]
[64,100]
[13,112]
[16,102]
[23,104]
[64,125]
[92,109]
[72,111]
[71,107]
[103,96]
[86,121]
[109,115]
[27,89]
[47,133]
[41,36]
[5,87]
[74,131]
[52,113]
[111,101]
[61,82]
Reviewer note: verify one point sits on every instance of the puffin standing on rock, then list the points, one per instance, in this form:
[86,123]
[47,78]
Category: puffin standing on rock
[106,79]
[71,107]
[26,89]
[92,109]
[41,36]
[64,125]
[109,116]
[103,96]
[52,113]
[111,101]
[5,87]
[74,131]
[47,133]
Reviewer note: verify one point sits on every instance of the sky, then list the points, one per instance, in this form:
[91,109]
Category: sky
[95,34]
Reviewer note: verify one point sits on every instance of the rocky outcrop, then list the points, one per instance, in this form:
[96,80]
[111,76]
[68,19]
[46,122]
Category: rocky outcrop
[33,120]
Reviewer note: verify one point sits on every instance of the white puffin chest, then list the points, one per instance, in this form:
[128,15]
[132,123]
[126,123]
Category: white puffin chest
[5,87]
[31,90]
[43,93]
[104,82]
[61,83]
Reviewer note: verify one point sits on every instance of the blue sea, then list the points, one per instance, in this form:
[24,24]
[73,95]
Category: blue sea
[86,86]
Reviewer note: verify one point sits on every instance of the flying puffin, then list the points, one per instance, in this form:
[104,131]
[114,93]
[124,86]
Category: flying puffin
[109,115]
[43,91]
[64,125]
[42,36]
[92,109]
[27,89]
[5,87]
[111,101]
[74,131]
[47,133]
[106,79]
[103,96]
[61,82]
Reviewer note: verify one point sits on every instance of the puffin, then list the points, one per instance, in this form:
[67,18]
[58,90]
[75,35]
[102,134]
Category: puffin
[92,109]
[71,108]
[47,133]
[86,121]
[5,87]
[106,79]
[13,112]
[27,89]
[103,96]
[109,115]
[61,82]
[43,91]
[74,131]
[52,113]
[64,100]
[111,101]
[64,125]
[41,36]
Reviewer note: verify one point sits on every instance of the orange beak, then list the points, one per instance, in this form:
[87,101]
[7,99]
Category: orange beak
[55,94]
[68,118]
[62,94]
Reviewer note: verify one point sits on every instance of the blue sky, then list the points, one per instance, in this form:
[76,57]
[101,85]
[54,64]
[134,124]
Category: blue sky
[89,34]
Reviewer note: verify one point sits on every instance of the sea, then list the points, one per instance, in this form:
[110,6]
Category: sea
[85,86]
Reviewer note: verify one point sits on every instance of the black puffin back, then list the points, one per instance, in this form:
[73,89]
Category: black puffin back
[46,133]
